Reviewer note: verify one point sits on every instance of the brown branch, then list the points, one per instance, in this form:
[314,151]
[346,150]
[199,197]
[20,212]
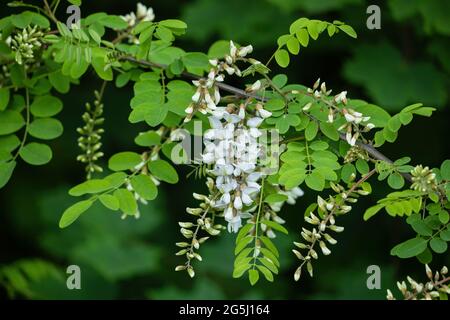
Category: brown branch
[241,93]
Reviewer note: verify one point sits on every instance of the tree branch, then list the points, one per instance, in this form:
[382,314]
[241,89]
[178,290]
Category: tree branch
[241,93]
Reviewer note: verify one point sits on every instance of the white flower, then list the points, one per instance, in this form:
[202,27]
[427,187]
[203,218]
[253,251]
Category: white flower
[234,224]
[256,86]
[243,51]
[130,19]
[143,13]
[254,122]
[349,117]
[233,50]
[341,97]
[264,113]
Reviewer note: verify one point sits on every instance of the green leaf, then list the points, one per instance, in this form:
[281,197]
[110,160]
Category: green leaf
[124,161]
[311,130]
[59,81]
[396,181]
[313,29]
[274,198]
[9,143]
[103,71]
[155,113]
[36,153]
[10,121]
[425,257]
[266,272]
[370,212]
[165,34]
[275,226]
[362,166]
[46,128]
[348,30]
[173,23]
[90,186]
[4,98]
[144,186]
[438,245]
[315,181]
[243,242]
[274,104]
[110,201]
[113,22]
[253,276]
[445,234]
[148,139]
[116,179]
[75,2]
[196,60]
[73,213]
[347,172]
[445,170]
[421,228]
[164,171]
[272,248]
[303,37]
[127,202]
[329,131]
[410,248]
[293,45]
[444,217]
[282,58]
[6,171]
[46,106]
[243,231]
[95,36]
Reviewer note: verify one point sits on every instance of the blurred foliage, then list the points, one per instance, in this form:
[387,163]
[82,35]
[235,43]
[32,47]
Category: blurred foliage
[408,60]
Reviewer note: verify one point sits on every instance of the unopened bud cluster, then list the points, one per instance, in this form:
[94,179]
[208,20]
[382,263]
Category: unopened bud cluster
[204,215]
[431,290]
[323,222]
[26,42]
[355,153]
[424,179]
[90,136]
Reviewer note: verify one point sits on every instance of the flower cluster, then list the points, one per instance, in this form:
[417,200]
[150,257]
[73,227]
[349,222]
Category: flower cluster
[142,14]
[323,222]
[207,95]
[204,222]
[26,42]
[232,147]
[424,179]
[352,127]
[425,291]
[354,119]
[90,136]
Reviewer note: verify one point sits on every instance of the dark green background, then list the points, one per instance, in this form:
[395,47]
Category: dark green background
[407,61]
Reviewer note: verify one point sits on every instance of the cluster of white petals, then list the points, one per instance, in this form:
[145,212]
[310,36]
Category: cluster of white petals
[142,14]
[207,95]
[233,149]
[354,119]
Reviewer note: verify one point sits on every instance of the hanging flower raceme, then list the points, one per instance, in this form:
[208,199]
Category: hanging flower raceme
[233,149]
